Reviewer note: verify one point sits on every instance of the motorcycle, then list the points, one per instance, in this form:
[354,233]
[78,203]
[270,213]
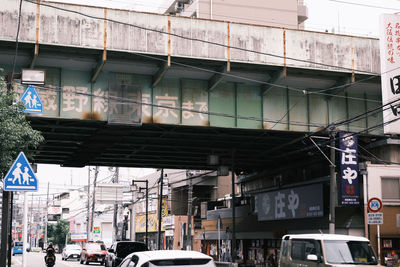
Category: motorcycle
[50,260]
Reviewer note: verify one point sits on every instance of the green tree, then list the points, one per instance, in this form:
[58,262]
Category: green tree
[16,133]
[57,233]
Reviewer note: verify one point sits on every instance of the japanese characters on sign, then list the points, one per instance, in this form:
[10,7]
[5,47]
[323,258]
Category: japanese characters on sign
[294,203]
[349,169]
[121,98]
[390,70]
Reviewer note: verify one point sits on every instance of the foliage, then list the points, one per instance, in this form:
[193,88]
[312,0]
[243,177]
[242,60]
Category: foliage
[57,233]
[16,133]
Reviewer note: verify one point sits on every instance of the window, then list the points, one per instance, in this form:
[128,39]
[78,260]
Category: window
[302,248]
[285,244]
[177,262]
[349,252]
[127,263]
[391,189]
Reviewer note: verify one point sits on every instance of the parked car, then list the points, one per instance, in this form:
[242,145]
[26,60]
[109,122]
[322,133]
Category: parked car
[325,250]
[119,250]
[71,252]
[18,247]
[93,252]
[168,258]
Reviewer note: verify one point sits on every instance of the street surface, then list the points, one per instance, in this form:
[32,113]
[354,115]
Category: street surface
[36,259]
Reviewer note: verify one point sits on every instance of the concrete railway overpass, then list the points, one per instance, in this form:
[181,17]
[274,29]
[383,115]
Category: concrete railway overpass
[144,90]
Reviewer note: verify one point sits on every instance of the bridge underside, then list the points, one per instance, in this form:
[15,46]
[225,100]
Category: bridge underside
[77,143]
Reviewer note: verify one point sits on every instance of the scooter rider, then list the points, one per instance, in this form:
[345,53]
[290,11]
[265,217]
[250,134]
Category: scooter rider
[50,252]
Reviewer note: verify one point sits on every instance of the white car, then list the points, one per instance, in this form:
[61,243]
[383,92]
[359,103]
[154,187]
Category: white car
[71,252]
[170,258]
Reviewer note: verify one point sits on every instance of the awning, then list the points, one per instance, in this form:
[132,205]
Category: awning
[213,235]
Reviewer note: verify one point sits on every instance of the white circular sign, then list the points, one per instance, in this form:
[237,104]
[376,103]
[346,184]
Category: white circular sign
[374,204]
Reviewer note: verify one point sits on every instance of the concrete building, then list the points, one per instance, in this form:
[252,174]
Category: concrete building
[382,181]
[286,13]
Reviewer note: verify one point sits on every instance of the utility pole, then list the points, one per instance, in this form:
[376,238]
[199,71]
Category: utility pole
[25,230]
[116,180]
[133,217]
[36,229]
[160,207]
[189,224]
[88,208]
[147,213]
[30,224]
[233,244]
[47,215]
[10,230]
[332,183]
[94,196]
[4,227]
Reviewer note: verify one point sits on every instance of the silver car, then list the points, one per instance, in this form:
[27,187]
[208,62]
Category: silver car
[71,252]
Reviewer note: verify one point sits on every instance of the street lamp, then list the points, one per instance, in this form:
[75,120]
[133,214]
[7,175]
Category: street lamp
[147,204]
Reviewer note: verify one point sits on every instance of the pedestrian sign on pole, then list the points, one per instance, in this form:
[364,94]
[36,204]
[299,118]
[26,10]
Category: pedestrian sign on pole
[20,177]
[32,101]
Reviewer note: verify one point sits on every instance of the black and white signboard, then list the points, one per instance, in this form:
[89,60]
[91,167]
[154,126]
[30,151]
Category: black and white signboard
[293,203]
[390,71]
[375,218]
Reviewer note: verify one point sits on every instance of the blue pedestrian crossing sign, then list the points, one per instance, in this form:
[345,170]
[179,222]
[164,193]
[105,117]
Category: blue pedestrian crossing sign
[20,177]
[32,101]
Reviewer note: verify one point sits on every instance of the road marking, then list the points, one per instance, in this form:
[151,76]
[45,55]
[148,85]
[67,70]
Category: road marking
[17,260]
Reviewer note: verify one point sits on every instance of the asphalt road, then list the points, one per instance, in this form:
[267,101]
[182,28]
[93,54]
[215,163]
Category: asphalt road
[36,259]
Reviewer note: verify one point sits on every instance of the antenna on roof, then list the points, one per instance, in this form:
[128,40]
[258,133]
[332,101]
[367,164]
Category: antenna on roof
[320,231]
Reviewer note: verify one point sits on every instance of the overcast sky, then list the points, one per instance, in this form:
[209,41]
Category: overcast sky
[359,18]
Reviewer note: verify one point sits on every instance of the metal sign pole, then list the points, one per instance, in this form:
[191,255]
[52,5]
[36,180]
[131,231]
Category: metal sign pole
[25,230]
[379,242]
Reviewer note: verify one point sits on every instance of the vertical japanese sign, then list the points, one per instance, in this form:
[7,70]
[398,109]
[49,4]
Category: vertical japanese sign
[390,71]
[349,169]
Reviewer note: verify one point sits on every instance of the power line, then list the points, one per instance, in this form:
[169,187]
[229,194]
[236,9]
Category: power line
[225,74]
[364,5]
[196,39]
[16,40]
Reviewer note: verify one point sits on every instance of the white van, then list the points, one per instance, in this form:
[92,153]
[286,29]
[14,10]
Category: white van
[323,250]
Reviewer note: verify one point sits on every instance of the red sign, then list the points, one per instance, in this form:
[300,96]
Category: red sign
[374,204]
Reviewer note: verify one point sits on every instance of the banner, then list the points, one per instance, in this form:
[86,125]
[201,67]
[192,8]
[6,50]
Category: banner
[293,203]
[349,169]
[78,236]
[390,71]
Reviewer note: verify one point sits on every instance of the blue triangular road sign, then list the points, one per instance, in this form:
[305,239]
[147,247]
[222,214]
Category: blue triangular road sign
[20,177]
[32,101]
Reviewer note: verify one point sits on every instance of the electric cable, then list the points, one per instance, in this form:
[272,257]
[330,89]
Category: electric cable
[16,41]
[122,100]
[185,37]
[195,39]
[364,5]
[226,74]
